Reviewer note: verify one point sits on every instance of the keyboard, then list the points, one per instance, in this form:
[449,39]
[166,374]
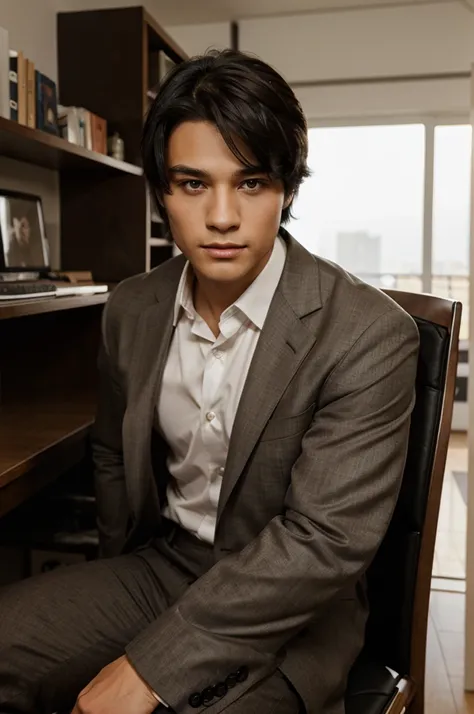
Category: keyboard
[17,291]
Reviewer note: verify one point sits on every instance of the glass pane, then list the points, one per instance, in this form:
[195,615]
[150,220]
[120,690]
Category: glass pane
[362,207]
[451,206]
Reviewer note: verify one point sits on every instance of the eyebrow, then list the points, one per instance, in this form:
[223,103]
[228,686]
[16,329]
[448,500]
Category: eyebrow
[200,174]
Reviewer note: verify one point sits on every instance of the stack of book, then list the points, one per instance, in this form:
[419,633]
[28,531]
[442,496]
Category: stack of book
[29,97]
[84,128]
[26,95]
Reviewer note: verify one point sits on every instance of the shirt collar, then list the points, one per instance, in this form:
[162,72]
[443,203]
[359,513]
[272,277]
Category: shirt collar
[254,303]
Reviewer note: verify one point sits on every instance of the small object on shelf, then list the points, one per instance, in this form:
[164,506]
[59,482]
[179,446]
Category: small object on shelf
[84,128]
[46,104]
[116,147]
[99,133]
[70,125]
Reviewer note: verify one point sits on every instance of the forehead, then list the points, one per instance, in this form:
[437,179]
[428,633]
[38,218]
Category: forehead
[200,145]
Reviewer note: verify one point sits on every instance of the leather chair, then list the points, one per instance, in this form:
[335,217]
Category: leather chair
[388,677]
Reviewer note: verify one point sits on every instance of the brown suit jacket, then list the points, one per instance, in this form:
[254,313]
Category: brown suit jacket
[311,480]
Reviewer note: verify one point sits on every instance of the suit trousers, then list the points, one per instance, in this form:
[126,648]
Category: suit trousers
[59,629]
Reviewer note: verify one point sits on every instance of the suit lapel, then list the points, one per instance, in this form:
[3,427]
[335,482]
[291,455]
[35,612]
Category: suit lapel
[285,340]
[151,346]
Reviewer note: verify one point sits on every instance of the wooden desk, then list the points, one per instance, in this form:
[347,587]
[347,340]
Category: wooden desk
[48,355]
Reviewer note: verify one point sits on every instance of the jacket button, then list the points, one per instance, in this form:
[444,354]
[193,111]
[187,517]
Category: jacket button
[221,689]
[195,700]
[231,681]
[242,674]
[208,695]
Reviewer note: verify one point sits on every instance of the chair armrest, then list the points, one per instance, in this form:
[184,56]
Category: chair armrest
[373,688]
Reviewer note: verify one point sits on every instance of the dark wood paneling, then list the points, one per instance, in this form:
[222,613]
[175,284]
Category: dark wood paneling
[100,67]
[104,226]
[48,386]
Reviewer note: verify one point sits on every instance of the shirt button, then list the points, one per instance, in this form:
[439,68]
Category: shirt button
[210,416]
[217,354]
[220,471]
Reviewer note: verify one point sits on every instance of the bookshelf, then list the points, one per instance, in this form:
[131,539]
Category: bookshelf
[51,152]
[48,346]
[116,84]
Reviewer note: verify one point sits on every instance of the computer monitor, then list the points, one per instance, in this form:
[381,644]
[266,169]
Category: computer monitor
[23,241]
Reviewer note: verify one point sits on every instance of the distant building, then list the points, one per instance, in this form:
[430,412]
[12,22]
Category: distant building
[360,253]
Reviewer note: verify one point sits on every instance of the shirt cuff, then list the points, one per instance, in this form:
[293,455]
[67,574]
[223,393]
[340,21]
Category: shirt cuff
[159,700]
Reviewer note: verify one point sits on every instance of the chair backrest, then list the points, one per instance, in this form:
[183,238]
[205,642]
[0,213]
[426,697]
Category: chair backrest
[399,579]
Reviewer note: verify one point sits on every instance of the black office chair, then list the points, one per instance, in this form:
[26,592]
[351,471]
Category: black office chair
[388,677]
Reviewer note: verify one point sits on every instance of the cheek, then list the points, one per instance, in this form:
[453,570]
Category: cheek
[266,211]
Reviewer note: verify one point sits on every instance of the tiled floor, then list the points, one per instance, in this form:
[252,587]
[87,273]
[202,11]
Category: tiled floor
[445,657]
[445,646]
[450,552]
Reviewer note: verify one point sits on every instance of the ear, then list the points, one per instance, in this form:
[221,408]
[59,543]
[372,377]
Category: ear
[288,200]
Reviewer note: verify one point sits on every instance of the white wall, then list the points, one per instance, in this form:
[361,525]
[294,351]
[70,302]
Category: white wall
[436,97]
[196,39]
[384,43]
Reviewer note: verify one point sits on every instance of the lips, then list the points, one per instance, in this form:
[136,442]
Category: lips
[224,250]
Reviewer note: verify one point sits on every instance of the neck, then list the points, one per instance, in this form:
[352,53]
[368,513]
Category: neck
[214,298]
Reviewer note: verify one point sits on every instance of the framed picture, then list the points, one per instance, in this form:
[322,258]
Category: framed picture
[23,242]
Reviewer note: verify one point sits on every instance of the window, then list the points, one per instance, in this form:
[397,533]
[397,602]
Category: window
[451,206]
[363,204]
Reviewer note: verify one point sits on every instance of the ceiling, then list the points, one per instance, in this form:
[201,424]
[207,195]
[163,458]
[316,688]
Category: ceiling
[190,11]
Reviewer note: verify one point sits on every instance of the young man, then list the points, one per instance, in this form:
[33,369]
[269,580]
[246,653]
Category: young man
[249,444]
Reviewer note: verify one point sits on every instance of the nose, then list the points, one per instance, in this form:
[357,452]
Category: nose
[223,214]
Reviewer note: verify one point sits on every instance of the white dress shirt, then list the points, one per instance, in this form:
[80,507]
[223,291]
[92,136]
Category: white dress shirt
[202,384]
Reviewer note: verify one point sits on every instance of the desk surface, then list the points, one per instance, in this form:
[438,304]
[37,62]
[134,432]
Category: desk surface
[39,442]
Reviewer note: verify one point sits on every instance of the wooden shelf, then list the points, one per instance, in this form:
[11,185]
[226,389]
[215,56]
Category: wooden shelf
[160,243]
[36,306]
[43,149]
[38,442]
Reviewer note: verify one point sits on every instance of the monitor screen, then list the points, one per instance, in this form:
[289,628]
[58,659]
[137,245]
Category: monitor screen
[23,240]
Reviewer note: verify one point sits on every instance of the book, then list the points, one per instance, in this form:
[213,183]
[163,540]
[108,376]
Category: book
[13,84]
[30,94]
[99,134]
[4,74]
[46,104]
[22,91]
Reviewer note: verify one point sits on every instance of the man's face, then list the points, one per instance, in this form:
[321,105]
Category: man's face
[223,218]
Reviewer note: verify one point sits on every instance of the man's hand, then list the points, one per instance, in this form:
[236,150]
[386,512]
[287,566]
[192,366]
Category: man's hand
[117,689]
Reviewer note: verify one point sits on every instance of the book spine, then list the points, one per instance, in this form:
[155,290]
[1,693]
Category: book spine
[31,95]
[22,93]
[4,74]
[13,75]
[39,101]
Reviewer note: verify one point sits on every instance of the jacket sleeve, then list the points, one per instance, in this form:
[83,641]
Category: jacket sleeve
[343,491]
[107,452]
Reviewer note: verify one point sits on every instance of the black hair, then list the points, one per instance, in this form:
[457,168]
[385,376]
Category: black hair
[243,97]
